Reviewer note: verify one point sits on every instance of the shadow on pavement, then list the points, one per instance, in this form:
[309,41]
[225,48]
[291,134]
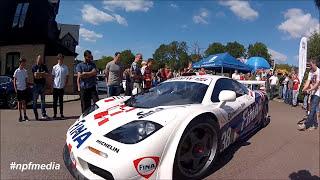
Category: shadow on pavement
[303,175]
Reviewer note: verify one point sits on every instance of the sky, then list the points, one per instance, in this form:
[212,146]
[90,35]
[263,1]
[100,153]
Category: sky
[108,26]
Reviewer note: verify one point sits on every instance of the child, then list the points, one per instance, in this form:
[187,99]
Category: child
[20,86]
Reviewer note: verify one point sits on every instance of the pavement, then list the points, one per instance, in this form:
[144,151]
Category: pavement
[278,151]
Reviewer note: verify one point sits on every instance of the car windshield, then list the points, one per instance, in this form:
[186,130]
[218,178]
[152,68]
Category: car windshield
[170,93]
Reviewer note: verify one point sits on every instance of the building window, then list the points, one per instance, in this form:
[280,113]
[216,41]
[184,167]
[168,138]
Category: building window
[12,62]
[20,15]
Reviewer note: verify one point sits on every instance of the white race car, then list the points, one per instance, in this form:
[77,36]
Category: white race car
[175,130]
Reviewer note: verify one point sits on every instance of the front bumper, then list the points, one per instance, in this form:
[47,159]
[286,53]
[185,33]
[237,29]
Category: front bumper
[68,163]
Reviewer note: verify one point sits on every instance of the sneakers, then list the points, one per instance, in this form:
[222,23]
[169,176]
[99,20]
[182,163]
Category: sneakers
[302,127]
[62,116]
[20,119]
[44,116]
[312,128]
[26,118]
[54,117]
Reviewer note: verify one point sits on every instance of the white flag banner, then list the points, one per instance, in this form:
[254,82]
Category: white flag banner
[302,57]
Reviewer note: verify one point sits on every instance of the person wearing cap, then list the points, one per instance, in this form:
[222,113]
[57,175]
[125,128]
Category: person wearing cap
[40,71]
[60,74]
[20,79]
[312,87]
[114,75]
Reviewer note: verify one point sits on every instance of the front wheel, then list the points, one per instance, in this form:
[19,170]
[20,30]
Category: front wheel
[198,148]
[12,101]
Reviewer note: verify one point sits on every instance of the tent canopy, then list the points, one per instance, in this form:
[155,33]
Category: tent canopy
[258,63]
[219,61]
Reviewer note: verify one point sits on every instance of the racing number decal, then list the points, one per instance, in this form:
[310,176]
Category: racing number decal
[226,139]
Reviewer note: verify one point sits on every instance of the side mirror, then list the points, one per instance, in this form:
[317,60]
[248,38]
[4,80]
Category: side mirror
[226,96]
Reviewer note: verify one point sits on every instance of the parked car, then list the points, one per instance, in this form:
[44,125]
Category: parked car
[7,94]
[175,130]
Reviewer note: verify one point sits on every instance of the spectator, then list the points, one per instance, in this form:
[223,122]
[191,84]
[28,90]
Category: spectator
[295,90]
[60,73]
[147,76]
[136,74]
[167,72]
[126,75]
[312,88]
[155,79]
[202,71]
[20,80]
[235,75]
[281,79]
[273,84]
[289,91]
[86,81]
[189,68]
[114,75]
[285,83]
[40,72]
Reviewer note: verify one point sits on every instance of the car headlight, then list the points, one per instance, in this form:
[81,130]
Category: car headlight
[90,110]
[134,131]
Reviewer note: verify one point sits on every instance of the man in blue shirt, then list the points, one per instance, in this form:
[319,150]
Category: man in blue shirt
[86,81]
[40,71]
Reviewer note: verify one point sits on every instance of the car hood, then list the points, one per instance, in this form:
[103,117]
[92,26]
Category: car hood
[112,113]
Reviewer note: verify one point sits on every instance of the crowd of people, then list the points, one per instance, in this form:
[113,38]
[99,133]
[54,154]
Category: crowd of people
[140,76]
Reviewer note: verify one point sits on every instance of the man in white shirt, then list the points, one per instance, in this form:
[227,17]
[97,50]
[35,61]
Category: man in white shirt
[273,84]
[312,87]
[235,75]
[20,86]
[60,73]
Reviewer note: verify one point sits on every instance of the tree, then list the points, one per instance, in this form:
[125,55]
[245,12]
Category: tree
[215,48]
[174,54]
[101,63]
[259,49]
[235,49]
[126,58]
[314,46]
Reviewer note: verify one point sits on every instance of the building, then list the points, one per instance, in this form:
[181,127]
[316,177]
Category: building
[28,28]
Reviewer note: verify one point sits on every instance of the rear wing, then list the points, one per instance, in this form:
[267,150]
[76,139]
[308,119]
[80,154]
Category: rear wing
[254,85]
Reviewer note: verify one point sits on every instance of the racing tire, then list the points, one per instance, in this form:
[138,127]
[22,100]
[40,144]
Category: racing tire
[198,148]
[12,101]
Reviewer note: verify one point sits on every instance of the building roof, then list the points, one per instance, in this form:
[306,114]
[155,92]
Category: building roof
[69,28]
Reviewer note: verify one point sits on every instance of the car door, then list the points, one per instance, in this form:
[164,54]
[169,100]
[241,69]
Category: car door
[232,111]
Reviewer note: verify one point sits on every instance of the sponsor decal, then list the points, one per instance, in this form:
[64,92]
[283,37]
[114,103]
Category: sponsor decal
[142,114]
[103,117]
[146,166]
[112,148]
[249,115]
[79,133]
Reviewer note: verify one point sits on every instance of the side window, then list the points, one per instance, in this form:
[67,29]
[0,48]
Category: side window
[239,89]
[221,84]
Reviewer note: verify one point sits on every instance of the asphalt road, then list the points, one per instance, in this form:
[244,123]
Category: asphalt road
[278,151]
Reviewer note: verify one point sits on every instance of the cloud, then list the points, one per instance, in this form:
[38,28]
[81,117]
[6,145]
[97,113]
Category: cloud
[220,14]
[277,56]
[94,16]
[174,5]
[128,6]
[298,24]
[88,35]
[78,48]
[201,17]
[241,8]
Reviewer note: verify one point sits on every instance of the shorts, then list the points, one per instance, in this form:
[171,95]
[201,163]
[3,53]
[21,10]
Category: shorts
[22,95]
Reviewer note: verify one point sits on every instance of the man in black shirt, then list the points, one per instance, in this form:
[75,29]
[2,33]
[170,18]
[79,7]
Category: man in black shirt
[39,71]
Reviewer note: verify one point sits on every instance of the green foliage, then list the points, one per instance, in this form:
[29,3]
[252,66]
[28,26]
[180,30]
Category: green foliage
[101,63]
[259,49]
[126,58]
[195,57]
[287,67]
[314,46]
[235,49]
[215,48]
[174,55]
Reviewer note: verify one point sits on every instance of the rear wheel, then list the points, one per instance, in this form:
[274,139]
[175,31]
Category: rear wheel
[198,148]
[12,101]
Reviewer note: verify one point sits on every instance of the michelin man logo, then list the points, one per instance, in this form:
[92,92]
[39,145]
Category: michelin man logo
[213,58]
